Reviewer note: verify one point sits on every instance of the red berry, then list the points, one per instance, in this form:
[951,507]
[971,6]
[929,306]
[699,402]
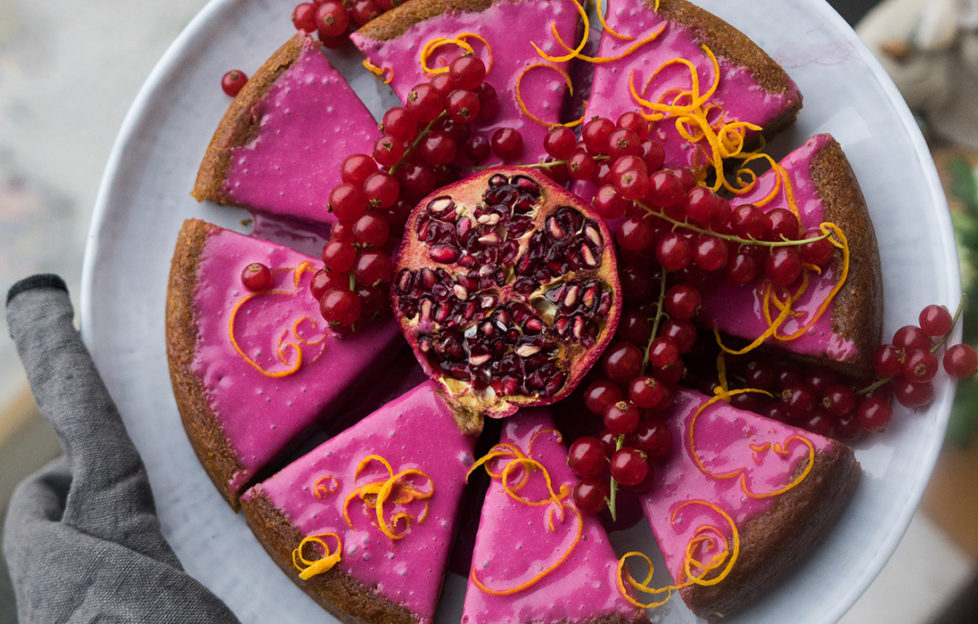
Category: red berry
[653,438]
[595,135]
[874,414]
[702,204]
[339,256]
[913,394]
[632,183]
[438,148]
[783,265]
[622,362]
[364,10]
[356,168]
[635,234]
[332,20]
[663,352]
[960,361]
[600,394]
[462,106]
[424,102]
[888,360]
[683,301]
[635,122]
[682,333]
[507,144]
[591,496]
[304,17]
[645,392]
[341,308]
[372,267]
[621,417]
[381,189]
[935,320]
[710,253]
[607,202]
[488,102]
[389,149]
[629,466]
[741,269]
[748,221]
[477,148]
[839,400]
[233,81]
[371,229]
[560,142]
[782,224]
[400,123]
[257,277]
[624,142]
[674,251]
[653,154]
[347,202]
[587,457]
[921,365]
[581,165]
[665,189]
[911,337]
[820,252]
[325,280]
[467,72]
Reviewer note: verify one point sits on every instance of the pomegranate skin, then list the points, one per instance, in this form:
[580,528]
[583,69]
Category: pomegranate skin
[506,287]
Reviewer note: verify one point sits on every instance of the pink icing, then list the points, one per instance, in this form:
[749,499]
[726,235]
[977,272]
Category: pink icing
[542,90]
[723,439]
[740,96]
[738,310]
[415,431]
[260,414]
[310,120]
[514,544]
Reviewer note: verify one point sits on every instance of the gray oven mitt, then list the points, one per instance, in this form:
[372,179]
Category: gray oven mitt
[82,539]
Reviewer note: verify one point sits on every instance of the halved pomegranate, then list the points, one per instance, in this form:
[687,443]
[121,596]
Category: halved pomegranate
[506,287]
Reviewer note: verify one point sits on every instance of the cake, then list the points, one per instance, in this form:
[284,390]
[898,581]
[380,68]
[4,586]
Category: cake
[750,95]
[395,41]
[817,183]
[536,557]
[377,504]
[762,491]
[279,148]
[253,372]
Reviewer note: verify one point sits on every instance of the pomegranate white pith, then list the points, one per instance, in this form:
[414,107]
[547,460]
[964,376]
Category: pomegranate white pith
[506,287]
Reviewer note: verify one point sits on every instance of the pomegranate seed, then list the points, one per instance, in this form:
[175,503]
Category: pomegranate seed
[257,277]
[600,394]
[507,144]
[233,81]
[935,320]
[960,361]
[340,308]
[591,496]
[629,466]
[587,458]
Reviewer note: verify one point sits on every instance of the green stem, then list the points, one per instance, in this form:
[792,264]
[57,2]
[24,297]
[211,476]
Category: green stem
[416,142]
[784,242]
[663,274]
[613,488]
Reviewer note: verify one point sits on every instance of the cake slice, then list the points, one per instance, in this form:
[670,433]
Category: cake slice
[252,371]
[780,488]
[821,187]
[537,558]
[502,33]
[280,145]
[364,522]
[750,86]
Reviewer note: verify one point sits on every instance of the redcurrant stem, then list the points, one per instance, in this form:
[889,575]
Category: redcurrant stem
[539,165]
[784,242]
[613,488]
[416,142]
[353,283]
[879,383]
[663,274]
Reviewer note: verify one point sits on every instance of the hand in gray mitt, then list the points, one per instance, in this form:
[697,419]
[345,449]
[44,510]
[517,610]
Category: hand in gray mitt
[82,538]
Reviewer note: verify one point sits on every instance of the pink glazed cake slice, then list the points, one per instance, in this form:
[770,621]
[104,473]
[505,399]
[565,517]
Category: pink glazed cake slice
[394,42]
[824,189]
[537,558]
[778,487]
[750,87]
[253,371]
[279,148]
[364,522]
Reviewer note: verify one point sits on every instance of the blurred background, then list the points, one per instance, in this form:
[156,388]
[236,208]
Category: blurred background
[65,87]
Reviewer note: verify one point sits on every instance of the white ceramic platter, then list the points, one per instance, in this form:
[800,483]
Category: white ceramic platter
[144,198]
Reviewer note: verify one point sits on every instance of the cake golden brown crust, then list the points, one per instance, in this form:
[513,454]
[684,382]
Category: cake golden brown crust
[728,42]
[203,431]
[858,308]
[395,22]
[774,543]
[343,596]
[240,124]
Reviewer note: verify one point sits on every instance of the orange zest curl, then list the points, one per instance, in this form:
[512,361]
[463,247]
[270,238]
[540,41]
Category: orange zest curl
[598,60]
[380,71]
[572,53]
[555,501]
[781,449]
[328,558]
[608,29]
[325,485]
[707,538]
[397,489]
[291,341]
[458,40]
[522,104]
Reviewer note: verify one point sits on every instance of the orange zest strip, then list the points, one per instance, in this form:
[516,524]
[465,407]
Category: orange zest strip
[379,71]
[458,40]
[770,331]
[283,345]
[522,104]
[780,449]
[598,60]
[325,485]
[520,462]
[607,29]
[704,536]
[577,50]
[309,568]
[376,494]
